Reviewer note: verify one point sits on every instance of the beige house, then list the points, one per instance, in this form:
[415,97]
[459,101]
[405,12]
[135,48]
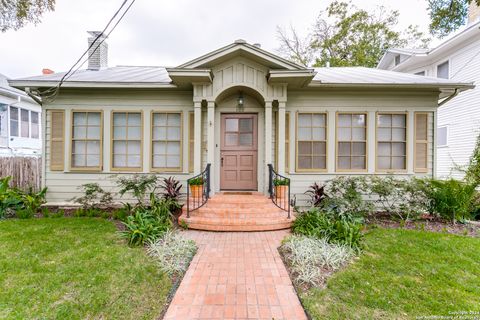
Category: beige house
[238,108]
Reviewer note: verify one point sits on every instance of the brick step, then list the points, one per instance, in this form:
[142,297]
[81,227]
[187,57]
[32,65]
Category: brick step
[218,224]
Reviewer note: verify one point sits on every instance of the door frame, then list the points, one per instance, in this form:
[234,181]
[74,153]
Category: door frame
[255,149]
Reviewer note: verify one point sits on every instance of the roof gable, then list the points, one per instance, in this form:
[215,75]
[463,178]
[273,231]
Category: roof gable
[241,48]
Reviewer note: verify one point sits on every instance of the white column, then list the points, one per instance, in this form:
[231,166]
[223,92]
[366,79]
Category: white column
[410,141]
[281,138]
[197,148]
[331,161]
[211,142]
[371,141]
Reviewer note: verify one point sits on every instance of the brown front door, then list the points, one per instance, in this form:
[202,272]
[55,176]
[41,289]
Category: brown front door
[238,152]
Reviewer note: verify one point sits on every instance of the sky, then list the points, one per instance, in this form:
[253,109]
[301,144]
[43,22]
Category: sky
[167,33]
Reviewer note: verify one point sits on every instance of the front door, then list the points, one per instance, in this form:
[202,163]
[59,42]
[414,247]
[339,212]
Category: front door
[238,152]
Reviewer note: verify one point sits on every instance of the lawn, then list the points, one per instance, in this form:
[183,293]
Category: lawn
[75,268]
[403,274]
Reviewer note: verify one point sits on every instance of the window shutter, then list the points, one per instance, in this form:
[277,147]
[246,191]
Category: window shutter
[57,140]
[287,142]
[421,142]
[191,139]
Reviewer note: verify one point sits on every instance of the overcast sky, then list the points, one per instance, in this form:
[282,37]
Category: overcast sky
[166,33]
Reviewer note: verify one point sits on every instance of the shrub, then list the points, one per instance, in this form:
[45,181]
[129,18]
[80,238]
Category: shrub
[138,186]
[317,194]
[171,192]
[472,173]
[311,259]
[172,252]
[94,197]
[24,204]
[329,226]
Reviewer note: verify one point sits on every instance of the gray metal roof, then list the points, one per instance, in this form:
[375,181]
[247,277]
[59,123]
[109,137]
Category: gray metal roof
[6,89]
[362,75]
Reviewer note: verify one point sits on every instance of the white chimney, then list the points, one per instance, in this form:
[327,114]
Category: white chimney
[98,52]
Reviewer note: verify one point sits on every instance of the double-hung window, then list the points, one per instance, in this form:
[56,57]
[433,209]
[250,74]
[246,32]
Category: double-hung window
[25,123]
[35,124]
[127,141]
[167,141]
[391,142]
[14,121]
[87,137]
[311,141]
[352,141]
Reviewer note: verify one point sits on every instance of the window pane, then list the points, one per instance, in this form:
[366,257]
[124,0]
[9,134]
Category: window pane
[344,148]
[384,134]
[304,148]
[304,134]
[134,119]
[159,147]
[358,163]
[159,119]
[79,132]
[79,160]
[398,120]
[359,148]
[174,119]
[119,161]
[35,131]
[93,147]
[79,147]
[358,120]
[318,120]
[384,149]
[119,147]
[134,133]
[246,125]
[79,118]
[93,118]
[159,133]
[398,163]
[319,163]
[442,70]
[344,134]
[34,116]
[246,139]
[398,149]
[231,125]
[133,147]
[344,120]
[173,161]
[318,134]
[304,120]
[383,162]
[120,133]
[133,161]
[319,148]
[93,133]
[442,136]
[173,133]
[160,161]
[231,139]
[344,162]
[93,161]
[25,127]
[173,148]
[119,119]
[358,134]
[398,134]
[13,113]
[304,162]
[14,128]
[384,120]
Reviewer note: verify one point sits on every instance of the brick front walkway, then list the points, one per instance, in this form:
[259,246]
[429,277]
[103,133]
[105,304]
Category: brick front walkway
[236,275]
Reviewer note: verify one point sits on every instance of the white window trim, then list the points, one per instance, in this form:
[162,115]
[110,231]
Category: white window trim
[446,138]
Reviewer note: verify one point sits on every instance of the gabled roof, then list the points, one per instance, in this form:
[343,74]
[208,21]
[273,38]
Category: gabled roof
[243,48]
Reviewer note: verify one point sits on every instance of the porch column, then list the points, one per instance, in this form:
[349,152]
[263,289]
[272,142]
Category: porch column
[211,141]
[197,148]
[281,138]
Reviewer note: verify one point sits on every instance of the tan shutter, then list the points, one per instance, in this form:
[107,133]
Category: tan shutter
[287,142]
[57,140]
[421,142]
[191,140]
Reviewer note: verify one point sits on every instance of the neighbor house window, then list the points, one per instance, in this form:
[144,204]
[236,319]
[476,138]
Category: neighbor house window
[421,141]
[311,141]
[25,123]
[351,141]
[391,141]
[397,59]
[442,70]
[127,141]
[86,140]
[35,124]
[14,121]
[167,141]
[420,73]
[442,134]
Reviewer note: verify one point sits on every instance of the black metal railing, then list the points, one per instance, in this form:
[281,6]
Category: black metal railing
[198,190]
[279,189]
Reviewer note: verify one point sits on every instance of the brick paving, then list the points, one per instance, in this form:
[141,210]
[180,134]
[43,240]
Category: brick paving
[236,275]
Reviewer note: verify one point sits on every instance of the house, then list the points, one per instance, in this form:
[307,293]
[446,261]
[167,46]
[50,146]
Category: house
[458,60]
[238,108]
[20,116]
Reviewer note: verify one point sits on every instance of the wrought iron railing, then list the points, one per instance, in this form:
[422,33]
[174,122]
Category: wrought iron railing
[198,190]
[279,189]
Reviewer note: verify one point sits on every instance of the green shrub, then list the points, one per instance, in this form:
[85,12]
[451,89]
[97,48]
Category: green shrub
[10,199]
[14,201]
[451,199]
[138,186]
[171,192]
[94,197]
[330,226]
[317,194]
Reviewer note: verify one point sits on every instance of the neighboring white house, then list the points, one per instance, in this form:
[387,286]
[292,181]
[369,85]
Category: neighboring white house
[238,108]
[457,59]
[20,122]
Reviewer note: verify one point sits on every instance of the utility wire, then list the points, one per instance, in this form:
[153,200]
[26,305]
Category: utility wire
[52,92]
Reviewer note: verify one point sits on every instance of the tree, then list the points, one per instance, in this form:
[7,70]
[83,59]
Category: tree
[14,14]
[448,15]
[344,35]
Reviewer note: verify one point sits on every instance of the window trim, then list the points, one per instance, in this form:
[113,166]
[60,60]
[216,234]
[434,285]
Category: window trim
[407,156]
[426,142]
[337,169]
[142,133]
[297,169]
[166,170]
[446,126]
[70,145]
[448,70]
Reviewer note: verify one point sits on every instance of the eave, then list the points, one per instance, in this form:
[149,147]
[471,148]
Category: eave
[293,78]
[187,75]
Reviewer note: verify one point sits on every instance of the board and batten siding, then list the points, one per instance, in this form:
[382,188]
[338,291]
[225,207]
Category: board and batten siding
[64,185]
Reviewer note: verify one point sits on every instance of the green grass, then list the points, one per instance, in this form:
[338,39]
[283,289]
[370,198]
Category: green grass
[403,274]
[75,268]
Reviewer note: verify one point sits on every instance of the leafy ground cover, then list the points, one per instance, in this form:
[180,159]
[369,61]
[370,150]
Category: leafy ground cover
[76,268]
[402,274]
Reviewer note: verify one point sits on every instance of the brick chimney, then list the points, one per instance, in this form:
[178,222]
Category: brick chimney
[473,12]
[47,71]
[98,53]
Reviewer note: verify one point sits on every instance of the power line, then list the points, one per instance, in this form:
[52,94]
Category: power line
[52,92]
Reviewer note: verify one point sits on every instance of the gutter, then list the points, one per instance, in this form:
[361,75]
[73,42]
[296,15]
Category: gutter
[450,97]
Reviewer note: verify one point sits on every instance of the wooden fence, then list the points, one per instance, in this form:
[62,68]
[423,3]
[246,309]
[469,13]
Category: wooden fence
[26,172]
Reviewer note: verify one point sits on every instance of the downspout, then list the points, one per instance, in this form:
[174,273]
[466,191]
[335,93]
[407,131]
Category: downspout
[450,97]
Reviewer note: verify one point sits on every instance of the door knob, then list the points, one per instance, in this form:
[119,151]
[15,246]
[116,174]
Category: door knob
[221,161]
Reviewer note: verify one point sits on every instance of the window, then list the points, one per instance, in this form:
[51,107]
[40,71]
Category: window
[397,59]
[442,136]
[127,141]
[351,141]
[421,141]
[25,123]
[14,121]
[57,127]
[391,142]
[35,125]
[311,141]
[167,141]
[191,140]
[86,140]
[442,70]
[420,73]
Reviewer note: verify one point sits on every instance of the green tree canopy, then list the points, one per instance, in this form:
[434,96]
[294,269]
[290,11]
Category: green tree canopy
[14,14]
[447,15]
[344,35]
